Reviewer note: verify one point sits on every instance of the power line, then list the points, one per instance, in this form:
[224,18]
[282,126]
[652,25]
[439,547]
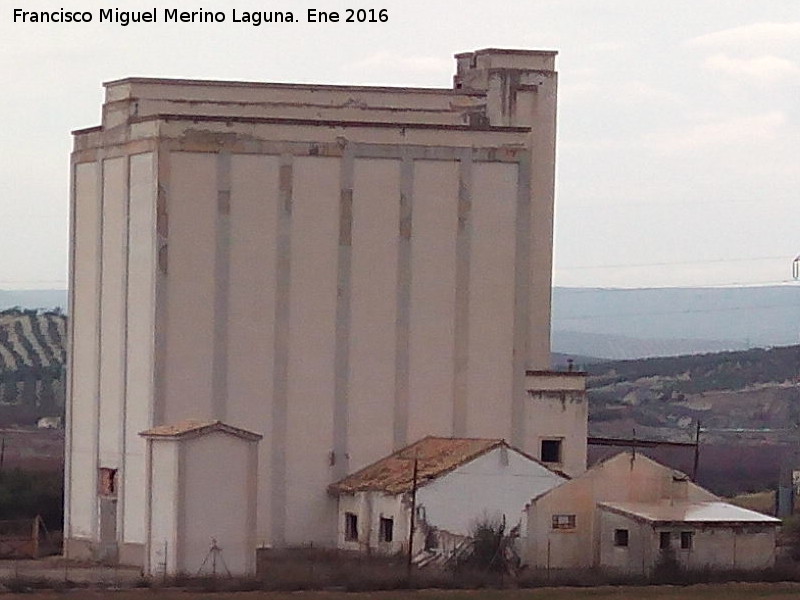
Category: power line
[672,263]
[676,312]
[706,286]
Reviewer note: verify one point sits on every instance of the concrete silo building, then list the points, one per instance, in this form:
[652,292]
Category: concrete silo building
[324,273]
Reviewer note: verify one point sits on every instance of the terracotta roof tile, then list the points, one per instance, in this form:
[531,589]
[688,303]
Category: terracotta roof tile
[435,457]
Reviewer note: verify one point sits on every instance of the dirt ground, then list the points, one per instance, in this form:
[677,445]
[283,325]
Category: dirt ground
[734,591]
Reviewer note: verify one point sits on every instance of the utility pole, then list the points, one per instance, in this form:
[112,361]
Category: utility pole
[696,452]
[413,516]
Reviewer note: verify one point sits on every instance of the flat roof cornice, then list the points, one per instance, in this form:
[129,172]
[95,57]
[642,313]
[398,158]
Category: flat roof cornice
[325,123]
[508,51]
[290,86]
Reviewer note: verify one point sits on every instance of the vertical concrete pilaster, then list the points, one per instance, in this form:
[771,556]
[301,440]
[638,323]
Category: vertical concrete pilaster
[522,286]
[343,316]
[222,262]
[461,330]
[280,383]
[403,322]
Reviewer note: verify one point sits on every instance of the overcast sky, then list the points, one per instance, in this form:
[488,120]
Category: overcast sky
[679,121]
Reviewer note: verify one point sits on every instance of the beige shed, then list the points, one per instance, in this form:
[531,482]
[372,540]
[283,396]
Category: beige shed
[636,536]
[201,491]
[628,511]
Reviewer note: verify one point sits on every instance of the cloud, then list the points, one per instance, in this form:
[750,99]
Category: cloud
[754,36]
[416,64]
[728,132]
[631,92]
[763,68]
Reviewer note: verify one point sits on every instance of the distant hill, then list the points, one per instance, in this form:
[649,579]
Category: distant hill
[627,323]
[42,299]
[635,323]
[619,347]
[747,402]
[32,361]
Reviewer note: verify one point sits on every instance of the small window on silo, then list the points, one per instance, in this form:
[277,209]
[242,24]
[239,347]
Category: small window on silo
[107,482]
[551,451]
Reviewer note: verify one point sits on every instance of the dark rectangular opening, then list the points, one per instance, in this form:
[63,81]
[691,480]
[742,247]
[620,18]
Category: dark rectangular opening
[687,538]
[386,529]
[664,540]
[551,451]
[621,538]
[107,482]
[350,527]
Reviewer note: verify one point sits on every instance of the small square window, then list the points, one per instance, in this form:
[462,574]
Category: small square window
[551,451]
[664,540]
[687,540]
[563,521]
[350,527]
[621,538]
[386,529]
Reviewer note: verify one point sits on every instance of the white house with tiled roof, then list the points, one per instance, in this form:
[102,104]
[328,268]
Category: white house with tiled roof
[459,482]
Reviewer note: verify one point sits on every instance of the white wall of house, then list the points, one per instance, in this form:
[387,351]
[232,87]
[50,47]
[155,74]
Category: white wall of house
[496,485]
[493,486]
[369,508]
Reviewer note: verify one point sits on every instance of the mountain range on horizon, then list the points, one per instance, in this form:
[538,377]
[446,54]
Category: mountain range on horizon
[615,323]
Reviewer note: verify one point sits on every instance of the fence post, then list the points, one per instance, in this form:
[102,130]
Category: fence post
[35,533]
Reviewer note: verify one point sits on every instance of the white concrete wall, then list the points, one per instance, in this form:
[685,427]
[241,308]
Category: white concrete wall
[163,508]
[369,508]
[376,202]
[496,485]
[113,322]
[432,324]
[310,512]
[561,416]
[140,365]
[192,209]
[250,361]
[638,556]
[81,521]
[491,301]
[215,481]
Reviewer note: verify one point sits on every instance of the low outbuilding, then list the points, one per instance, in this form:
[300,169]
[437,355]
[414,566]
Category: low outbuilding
[201,486]
[629,513]
[459,482]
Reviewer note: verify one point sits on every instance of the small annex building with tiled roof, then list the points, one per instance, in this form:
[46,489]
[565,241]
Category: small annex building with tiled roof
[201,483]
[458,483]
